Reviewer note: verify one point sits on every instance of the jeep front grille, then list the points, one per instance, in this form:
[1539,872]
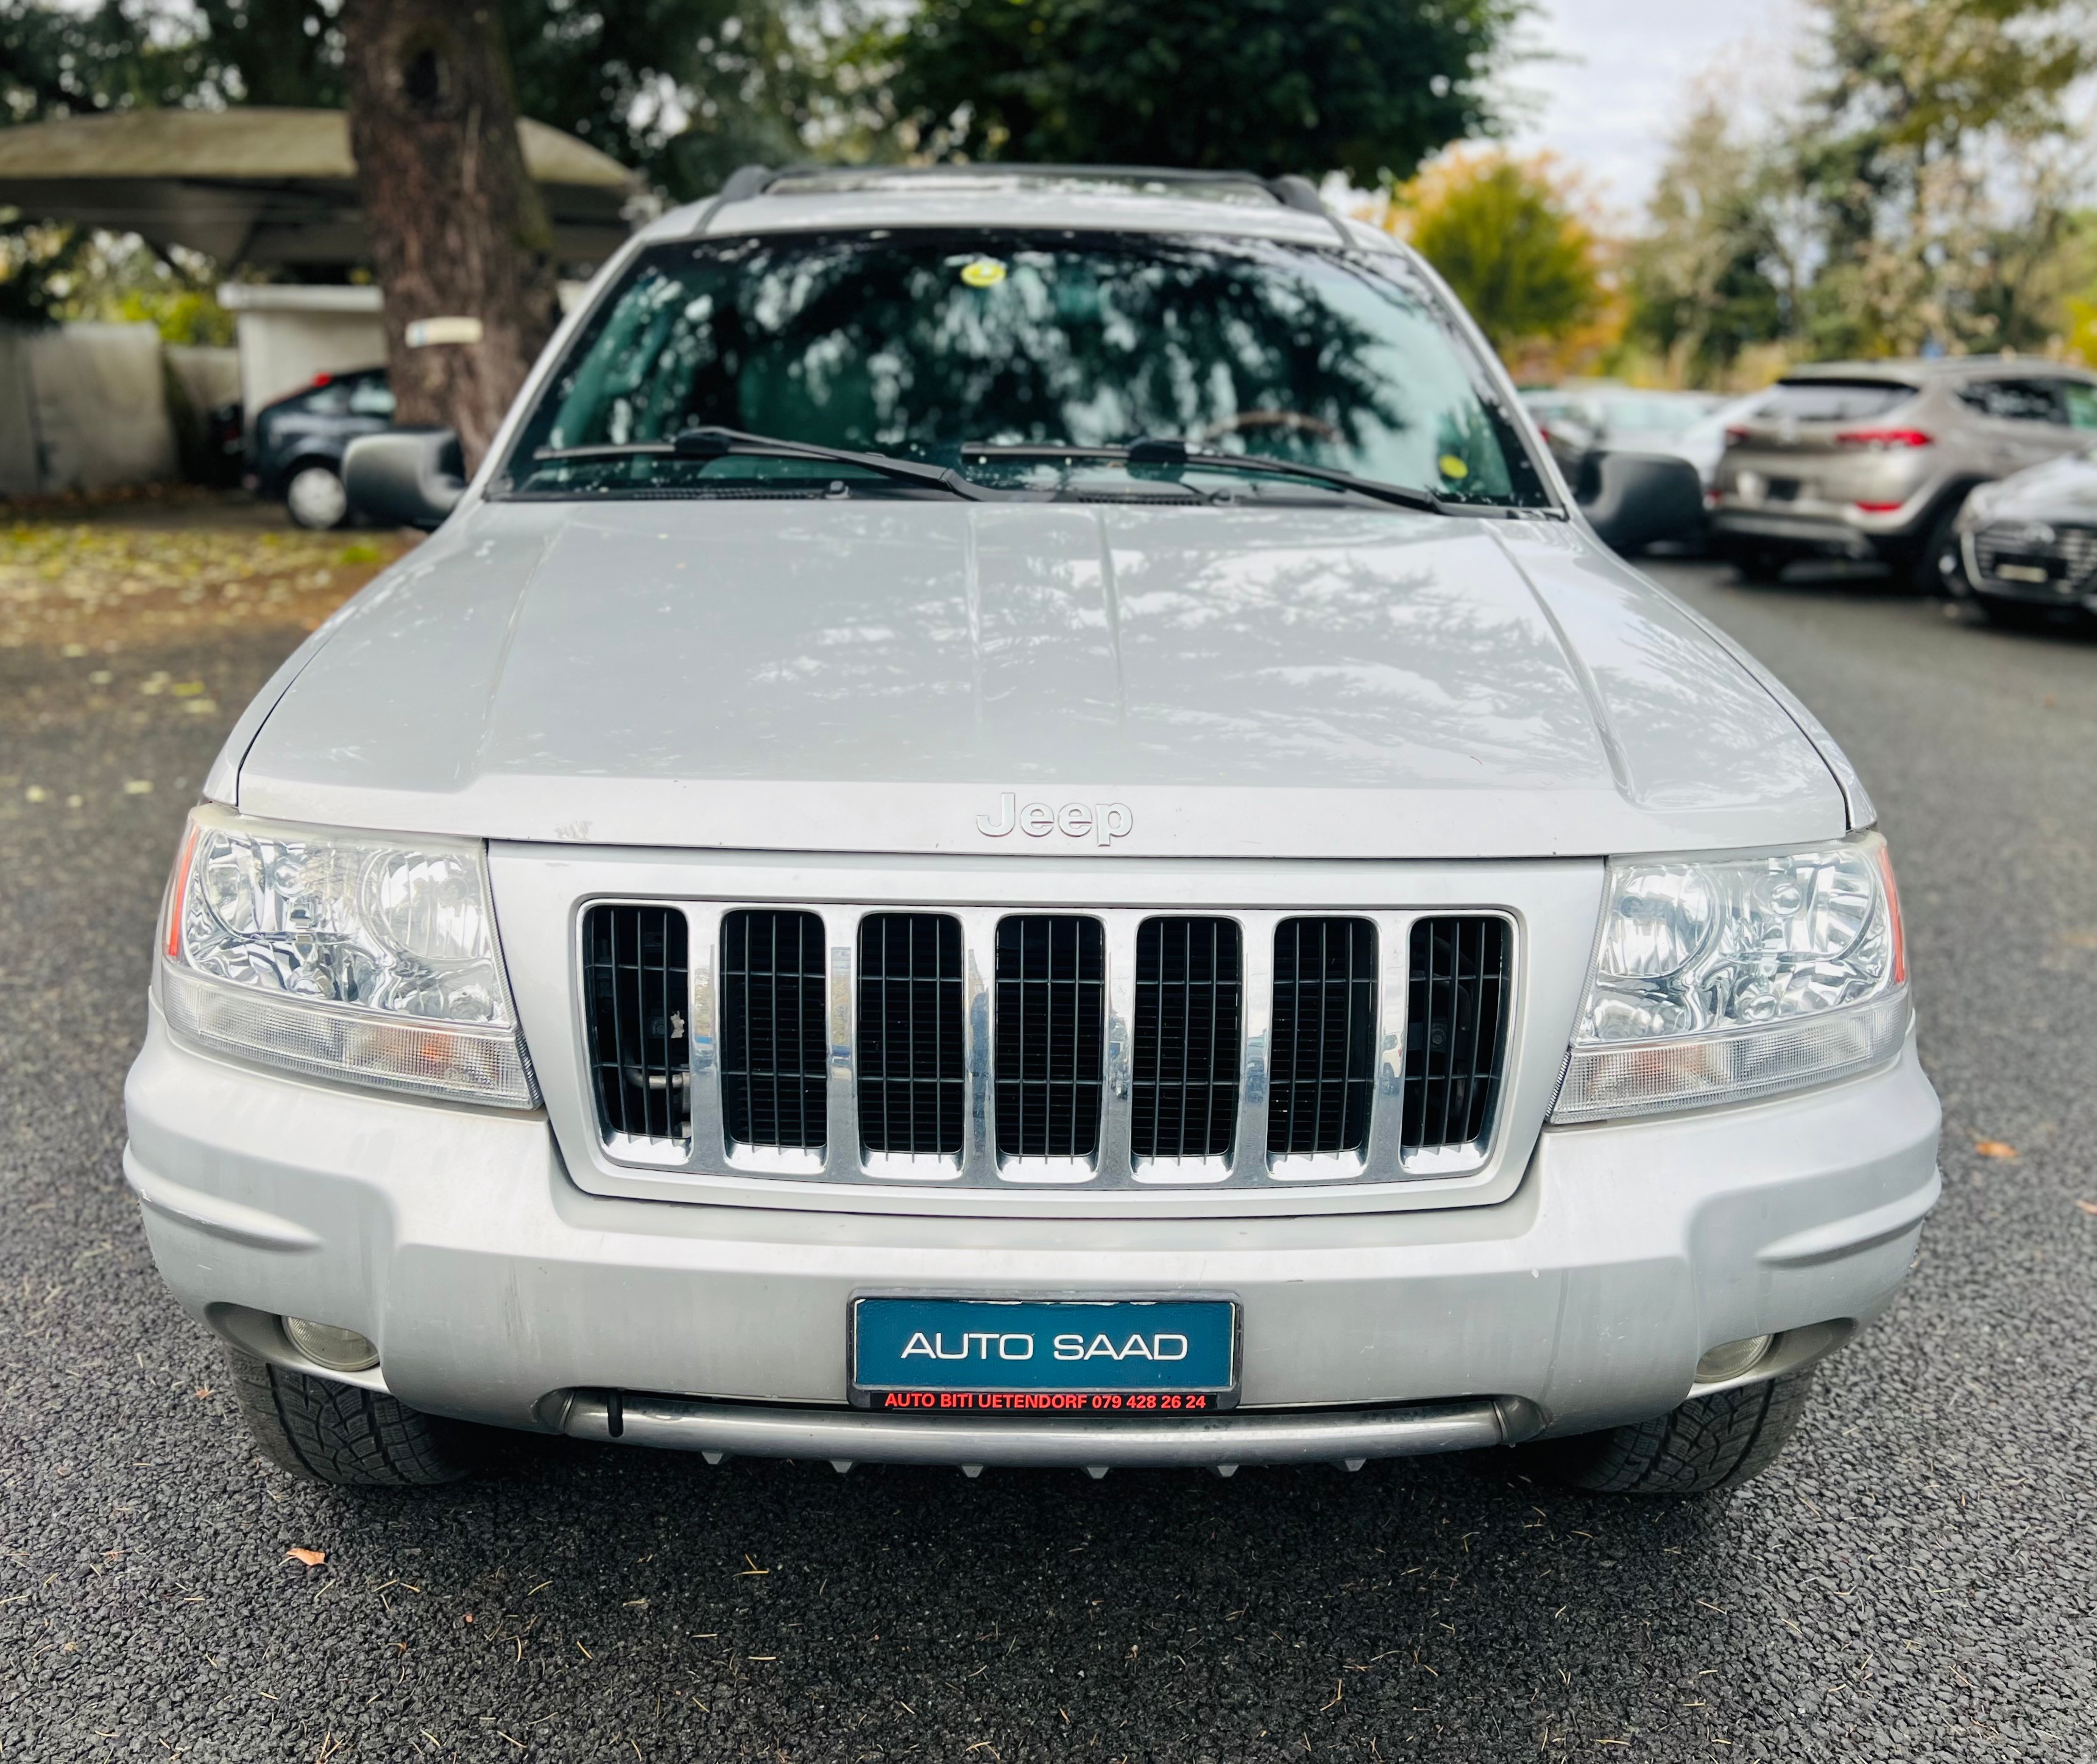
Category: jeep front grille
[1051,1011]
[1456,1032]
[912,1084]
[1183,1101]
[635,987]
[774,1052]
[1118,1046]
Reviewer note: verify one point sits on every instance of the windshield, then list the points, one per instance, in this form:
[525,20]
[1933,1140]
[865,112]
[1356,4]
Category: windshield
[930,346]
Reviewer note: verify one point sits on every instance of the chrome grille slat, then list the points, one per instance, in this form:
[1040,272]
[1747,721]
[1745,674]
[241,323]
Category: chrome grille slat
[1185,1094]
[1115,1049]
[912,1075]
[1456,1035]
[774,1052]
[1324,1015]
[1049,1061]
[635,970]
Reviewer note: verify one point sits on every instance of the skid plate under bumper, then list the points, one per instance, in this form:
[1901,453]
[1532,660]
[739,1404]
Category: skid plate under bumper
[845,1436]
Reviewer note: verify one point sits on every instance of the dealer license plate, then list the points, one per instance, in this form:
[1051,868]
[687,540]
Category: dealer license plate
[1045,1357]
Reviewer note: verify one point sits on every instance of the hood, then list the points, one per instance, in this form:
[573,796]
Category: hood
[2061,490]
[935,677]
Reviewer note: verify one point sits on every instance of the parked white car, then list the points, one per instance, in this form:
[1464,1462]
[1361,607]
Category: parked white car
[1016,824]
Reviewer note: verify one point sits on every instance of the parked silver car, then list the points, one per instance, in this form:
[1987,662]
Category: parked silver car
[1872,460]
[2025,550]
[1578,422]
[1015,824]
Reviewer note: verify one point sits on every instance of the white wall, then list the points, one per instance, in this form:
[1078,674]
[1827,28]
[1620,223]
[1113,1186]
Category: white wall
[281,352]
[82,407]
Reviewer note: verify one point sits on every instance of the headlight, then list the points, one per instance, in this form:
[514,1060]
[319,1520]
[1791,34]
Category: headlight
[346,955]
[1717,982]
[1979,506]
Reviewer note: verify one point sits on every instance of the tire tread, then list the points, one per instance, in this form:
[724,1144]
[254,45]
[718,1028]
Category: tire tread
[1708,1442]
[343,1434]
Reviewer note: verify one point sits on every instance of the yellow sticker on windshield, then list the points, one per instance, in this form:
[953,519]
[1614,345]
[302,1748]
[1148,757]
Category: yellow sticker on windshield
[983,272]
[1453,467]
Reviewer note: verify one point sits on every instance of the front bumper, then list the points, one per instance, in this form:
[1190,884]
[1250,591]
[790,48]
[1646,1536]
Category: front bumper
[499,1292]
[2056,595]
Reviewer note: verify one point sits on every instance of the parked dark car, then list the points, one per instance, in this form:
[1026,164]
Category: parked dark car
[295,446]
[222,452]
[2025,550]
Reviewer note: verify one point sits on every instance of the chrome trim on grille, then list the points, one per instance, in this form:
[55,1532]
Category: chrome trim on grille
[1195,1020]
[662,1079]
[1113,1165]
[909,1025]
[1299,1038]
[2034,559]
[1442,1154]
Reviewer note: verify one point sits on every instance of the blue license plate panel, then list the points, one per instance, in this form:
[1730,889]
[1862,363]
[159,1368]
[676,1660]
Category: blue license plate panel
[1044,1357]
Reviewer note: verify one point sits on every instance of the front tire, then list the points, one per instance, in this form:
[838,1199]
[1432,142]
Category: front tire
[2015,615]
[1936,566]
[1706,1443]
[345,1435]
[315,499]
[1756,565]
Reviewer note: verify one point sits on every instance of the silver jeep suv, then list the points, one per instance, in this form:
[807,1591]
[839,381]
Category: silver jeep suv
[1873,460]
[1015,823]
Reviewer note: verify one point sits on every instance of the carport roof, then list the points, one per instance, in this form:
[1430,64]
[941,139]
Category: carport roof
[265,185]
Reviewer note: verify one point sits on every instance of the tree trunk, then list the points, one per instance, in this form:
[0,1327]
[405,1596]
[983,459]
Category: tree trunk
[458,229]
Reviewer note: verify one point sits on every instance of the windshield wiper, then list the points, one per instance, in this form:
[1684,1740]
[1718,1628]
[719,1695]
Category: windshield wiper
[722,443]
[1151,452]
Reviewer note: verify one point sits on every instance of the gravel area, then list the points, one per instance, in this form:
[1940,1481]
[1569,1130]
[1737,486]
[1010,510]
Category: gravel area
[1916,1579]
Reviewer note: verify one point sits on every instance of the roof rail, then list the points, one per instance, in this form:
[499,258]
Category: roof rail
[1290,189]
[743,182]
[1295,192]
[746,181]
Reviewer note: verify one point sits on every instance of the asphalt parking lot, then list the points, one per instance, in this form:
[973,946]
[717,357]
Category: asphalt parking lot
[1916,1580]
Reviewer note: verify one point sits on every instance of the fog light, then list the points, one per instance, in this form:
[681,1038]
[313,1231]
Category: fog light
[1729,1359]
[338,1349]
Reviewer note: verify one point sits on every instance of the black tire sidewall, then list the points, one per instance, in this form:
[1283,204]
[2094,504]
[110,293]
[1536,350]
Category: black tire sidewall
[1699,1446]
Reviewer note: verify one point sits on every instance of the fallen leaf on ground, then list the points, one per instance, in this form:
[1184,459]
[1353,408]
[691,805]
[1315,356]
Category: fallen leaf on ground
[75,585]
[311,1558]
[1994,1149]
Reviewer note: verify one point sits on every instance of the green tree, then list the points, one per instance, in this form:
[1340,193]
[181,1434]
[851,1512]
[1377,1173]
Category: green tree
[1369,87]
[62,61]
[1506,237]
[58,62]
[267,51]
[1711,276]
[682,90]
[1935,151]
